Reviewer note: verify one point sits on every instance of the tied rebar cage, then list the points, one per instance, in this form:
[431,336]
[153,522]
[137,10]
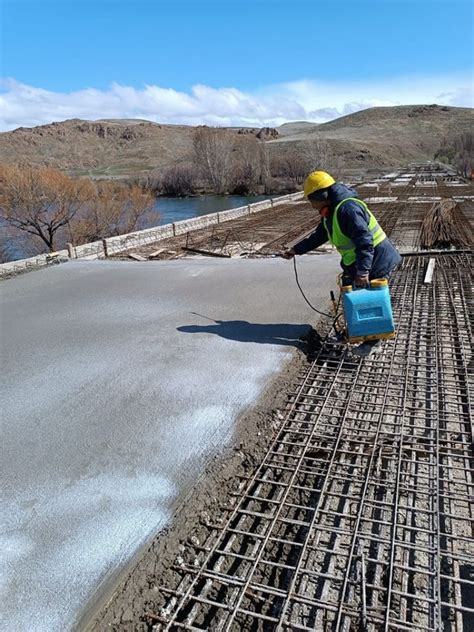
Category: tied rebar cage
[359,517]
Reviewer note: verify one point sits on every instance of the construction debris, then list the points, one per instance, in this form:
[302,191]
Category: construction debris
[156,253]
[444,226]
[207,253]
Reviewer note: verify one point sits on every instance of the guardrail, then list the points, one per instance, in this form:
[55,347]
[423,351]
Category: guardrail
[92,250]
[114,245]
[32,263]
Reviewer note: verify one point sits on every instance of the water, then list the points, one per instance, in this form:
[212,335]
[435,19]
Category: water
[174,209]
[170,210]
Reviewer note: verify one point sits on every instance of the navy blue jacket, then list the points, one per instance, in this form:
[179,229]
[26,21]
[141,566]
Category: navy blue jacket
[353,220]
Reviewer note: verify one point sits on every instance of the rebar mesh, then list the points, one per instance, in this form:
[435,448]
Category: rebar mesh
[359,516]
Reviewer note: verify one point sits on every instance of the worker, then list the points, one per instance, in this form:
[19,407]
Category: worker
[351,227]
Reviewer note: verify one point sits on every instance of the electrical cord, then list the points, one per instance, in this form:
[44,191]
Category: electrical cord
[333,324]
[303,294]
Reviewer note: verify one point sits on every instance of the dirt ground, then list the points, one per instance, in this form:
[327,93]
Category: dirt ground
[126,608]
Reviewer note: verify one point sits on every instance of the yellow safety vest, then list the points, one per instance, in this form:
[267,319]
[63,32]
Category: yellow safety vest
[344,245]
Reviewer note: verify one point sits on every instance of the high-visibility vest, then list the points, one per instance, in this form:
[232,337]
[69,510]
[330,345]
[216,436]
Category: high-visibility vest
[344,245]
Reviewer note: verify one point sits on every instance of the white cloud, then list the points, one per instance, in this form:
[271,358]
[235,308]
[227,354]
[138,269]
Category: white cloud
[24,105]
[324,101]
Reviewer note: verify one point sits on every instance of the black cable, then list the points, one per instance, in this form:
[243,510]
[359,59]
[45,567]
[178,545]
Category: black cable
[333,324]
[303,294]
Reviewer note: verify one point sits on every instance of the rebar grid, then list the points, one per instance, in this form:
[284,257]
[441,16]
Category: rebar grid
[268,230]
[272,230]
[359,516]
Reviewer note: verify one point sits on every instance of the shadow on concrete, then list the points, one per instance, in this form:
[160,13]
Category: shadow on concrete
[242,331]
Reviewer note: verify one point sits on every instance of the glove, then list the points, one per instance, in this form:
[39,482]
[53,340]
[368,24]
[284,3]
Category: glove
[288,254]
[361,280]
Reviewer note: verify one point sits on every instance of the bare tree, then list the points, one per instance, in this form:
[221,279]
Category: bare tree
[52,208]
[150,182]
[213,156]
[114,210]
[458,151]
[291,165]
[137,210]
[446,151]
[40,202]
[315,152]
[264,158]
[179,180]
[247,164]
[464,157]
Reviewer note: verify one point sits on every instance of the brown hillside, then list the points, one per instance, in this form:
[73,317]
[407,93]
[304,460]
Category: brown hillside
[374,137]
[387,135]
[101,148]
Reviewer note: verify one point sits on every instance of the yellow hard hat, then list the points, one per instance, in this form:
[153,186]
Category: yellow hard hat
[317,180]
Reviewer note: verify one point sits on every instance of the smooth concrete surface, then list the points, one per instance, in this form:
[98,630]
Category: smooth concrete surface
[119,380]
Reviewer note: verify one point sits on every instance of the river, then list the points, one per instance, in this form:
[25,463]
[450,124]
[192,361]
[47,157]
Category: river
[170,210]
[174,209]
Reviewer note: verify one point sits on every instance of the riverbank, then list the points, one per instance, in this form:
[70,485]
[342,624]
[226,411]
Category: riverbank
[170,210]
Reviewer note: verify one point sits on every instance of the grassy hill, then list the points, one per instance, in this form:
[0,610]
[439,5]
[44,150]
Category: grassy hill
[377,137]
[386,136]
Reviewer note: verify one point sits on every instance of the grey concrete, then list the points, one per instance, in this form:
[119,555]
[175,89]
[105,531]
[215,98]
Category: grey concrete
[119,381]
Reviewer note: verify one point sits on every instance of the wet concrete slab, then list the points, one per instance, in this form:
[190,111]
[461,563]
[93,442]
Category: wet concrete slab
[119,381]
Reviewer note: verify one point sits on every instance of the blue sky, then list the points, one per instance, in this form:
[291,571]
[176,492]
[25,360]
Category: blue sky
[229,61]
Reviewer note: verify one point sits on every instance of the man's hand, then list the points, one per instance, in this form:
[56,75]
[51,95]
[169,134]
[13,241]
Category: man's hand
[361,280]
[288,254]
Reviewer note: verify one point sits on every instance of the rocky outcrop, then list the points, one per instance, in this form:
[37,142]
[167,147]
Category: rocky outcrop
[423,110]
[267,133]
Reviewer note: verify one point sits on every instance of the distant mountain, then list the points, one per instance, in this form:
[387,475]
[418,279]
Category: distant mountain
[387,135]
[101,148]
[377,137]
[105,148]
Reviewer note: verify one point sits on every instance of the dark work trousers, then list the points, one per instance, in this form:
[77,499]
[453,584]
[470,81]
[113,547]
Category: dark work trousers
[348,276]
